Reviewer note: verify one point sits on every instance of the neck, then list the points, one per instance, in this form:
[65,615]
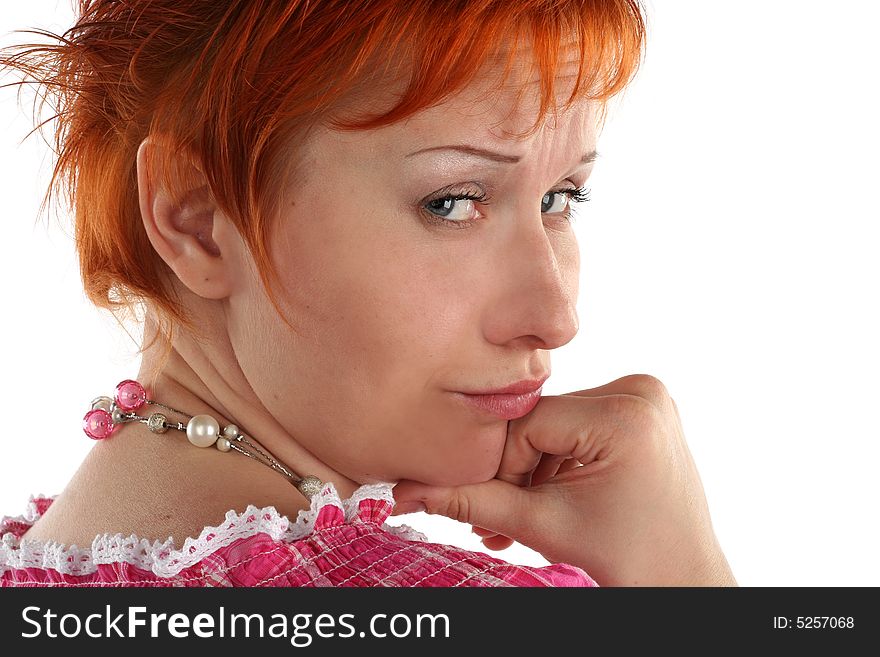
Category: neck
[202,379]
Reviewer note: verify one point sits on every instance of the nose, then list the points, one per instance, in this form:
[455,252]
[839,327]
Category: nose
[537,285]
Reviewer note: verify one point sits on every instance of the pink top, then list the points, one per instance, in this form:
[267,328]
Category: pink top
[335,543]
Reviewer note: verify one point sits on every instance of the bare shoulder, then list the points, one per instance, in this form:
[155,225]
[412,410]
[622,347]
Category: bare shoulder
[109,495]
[156,492]
[76,517]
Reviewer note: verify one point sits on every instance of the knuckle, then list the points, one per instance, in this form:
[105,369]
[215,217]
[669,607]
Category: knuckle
[458,507]
[635,417]
[628,406]
[650,388]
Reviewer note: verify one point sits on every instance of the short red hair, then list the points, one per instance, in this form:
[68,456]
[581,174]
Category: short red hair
[233,83]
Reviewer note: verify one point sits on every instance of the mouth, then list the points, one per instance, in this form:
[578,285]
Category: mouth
[504,406]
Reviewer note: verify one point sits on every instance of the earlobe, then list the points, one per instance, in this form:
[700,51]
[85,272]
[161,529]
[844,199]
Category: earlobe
[181,223]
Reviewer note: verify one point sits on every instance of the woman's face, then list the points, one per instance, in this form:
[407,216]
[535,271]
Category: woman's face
[396,310]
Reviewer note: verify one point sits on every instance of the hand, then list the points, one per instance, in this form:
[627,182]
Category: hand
[601,479]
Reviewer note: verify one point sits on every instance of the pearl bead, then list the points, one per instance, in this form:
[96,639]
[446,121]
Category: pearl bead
[202,430]
[118,415]
[231,431]
[130,395]
[97,424]
[223,444]
[103,403]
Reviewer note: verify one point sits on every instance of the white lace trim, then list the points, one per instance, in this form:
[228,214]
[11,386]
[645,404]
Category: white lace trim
[161,557]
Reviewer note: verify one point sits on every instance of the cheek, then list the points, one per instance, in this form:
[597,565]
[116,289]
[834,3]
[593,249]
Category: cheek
[409,350]
[381,337]
[568,256]
[420,336]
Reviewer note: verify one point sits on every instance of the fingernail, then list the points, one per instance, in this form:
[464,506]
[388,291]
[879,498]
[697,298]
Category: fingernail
[411,506]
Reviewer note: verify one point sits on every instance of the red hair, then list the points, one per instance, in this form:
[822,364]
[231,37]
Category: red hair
[233,83]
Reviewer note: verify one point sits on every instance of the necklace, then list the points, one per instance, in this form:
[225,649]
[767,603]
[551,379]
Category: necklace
[108,413]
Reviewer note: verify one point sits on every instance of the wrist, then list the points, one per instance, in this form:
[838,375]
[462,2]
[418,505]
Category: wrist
[710,568]
[701,565]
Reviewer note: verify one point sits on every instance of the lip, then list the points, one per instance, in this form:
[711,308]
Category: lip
[518,388]
[504,406]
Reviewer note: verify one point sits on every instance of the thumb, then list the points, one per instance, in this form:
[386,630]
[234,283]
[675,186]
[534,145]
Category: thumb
[495,505]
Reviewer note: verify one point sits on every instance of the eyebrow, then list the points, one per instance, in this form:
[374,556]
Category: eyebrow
[492,155]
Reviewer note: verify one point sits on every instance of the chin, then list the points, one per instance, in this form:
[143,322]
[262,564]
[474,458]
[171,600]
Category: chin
[473,473]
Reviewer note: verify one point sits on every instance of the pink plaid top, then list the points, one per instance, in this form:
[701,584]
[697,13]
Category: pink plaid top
[335,543]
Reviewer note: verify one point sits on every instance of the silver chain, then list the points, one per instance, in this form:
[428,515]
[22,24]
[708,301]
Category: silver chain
[308,486]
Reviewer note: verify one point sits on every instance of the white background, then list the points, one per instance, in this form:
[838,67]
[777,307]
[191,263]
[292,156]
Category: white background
[730,250]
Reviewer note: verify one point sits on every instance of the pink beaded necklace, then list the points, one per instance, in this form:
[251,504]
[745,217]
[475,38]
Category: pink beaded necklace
[201,430]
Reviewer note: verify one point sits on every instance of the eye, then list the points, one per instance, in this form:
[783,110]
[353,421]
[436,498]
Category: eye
[563,199]
[554,202]
[572,195]
[458,210]
[454,208]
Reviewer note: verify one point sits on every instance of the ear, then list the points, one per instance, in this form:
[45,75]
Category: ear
[186,228]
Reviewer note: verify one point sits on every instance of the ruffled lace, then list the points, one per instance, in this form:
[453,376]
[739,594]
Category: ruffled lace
[161,557]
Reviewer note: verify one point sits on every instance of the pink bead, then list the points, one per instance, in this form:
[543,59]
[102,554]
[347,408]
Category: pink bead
[130,395]
[98,424]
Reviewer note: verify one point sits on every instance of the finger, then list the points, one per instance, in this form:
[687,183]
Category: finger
[519,459]
[577,424]
[570,464]
[482,532]
[647,387]
[569,426]
[498,542]
[492,505]
[548,467]
[485,534]
[562,466]
[675,408]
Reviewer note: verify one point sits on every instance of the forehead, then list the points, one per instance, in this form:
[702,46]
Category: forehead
[494,109]
[506,110]
[504,117]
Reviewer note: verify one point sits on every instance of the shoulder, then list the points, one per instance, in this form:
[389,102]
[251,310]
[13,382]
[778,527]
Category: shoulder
[335,543]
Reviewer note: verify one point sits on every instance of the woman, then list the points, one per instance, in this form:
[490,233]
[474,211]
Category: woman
[349,227]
